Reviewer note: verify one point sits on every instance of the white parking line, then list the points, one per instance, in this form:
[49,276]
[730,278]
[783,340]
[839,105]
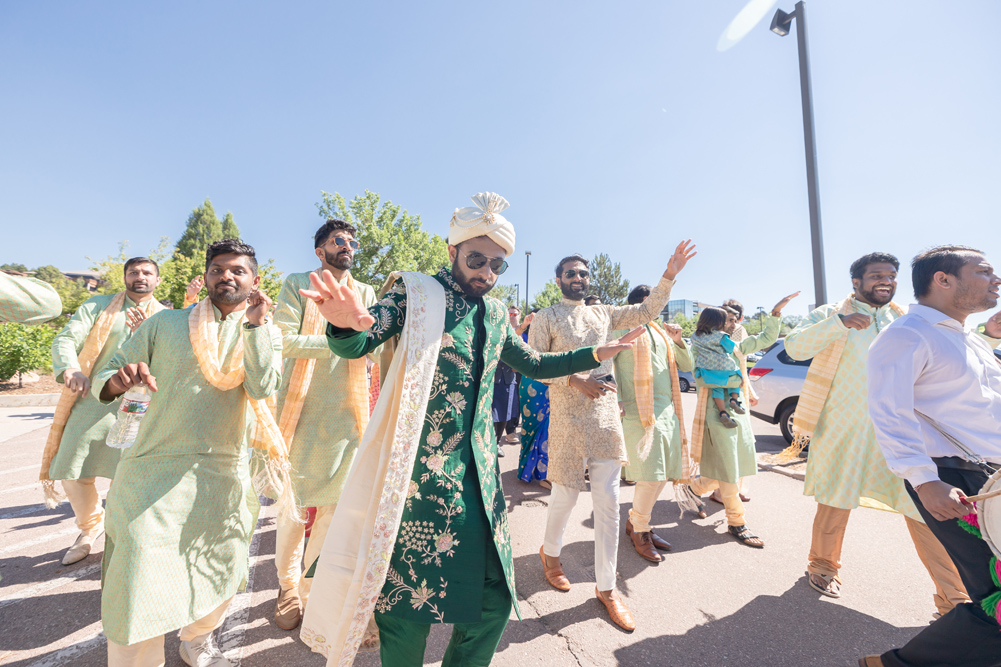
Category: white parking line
[83,641]
[31,509]
[20,488]
[38,540]
[33,466]
[45,586]
[234,628]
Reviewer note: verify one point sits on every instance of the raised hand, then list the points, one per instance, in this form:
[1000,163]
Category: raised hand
[194,287]
[674,333]
[684,252]
[857,321]
[993,326]
[777,310]
[609,350]
[133,318]
[260,306]
[339,304]
[76,381]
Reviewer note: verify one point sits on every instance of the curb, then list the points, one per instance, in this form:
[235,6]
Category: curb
[782,471]
[29,400]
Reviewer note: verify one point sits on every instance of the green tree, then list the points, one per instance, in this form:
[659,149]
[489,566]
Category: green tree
[687,324]
[607,281]
[203,228]
[24,349]
[71,292]
[20,268]
[391,238]
[507,294]
[549,295]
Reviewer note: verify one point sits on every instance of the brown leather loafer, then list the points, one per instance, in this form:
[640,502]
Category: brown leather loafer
[617,611]
[643,543]
[658,541]
[287,609]
[871,661]
[554,575]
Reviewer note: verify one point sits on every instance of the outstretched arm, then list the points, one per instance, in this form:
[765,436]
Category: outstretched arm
[627,317]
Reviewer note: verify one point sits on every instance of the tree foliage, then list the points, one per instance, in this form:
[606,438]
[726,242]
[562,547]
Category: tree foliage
[687,324]
[391,238]
[507,294]
[20,268]
[71,292]
[607,281]
[24,349]
[203,228]
[549,295]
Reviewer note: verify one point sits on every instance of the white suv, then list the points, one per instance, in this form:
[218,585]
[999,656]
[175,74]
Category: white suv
[778,380]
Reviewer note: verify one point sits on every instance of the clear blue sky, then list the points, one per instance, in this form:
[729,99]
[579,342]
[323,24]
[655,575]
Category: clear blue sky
[610,127]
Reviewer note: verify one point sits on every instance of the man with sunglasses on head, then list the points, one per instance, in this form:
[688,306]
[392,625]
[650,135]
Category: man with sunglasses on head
[422,527]
[322,413]
[584,429]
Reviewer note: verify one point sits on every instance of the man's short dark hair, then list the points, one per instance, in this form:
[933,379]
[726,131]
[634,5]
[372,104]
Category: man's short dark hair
[946,258]
[329,227]
[710,319]
[637,294]
[231,247]
[730,310]
[567,260]
[735,305]
[140,260]
[860,264]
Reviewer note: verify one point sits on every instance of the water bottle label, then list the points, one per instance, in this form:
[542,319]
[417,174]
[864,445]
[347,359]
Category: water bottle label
[133,407]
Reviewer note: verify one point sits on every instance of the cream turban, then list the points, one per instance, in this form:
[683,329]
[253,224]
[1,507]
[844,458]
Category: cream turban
[484,219]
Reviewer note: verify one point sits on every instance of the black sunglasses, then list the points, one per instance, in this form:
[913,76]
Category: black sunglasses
[572,273]
[475,260]
[354,245]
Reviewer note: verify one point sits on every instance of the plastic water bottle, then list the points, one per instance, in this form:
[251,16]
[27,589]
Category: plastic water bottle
[130,413]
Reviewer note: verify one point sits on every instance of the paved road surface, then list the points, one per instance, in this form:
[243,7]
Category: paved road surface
[711,602]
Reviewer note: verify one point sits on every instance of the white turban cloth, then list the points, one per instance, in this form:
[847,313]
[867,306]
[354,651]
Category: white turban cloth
[484,219]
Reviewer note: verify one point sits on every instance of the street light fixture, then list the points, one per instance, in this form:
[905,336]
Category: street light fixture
[781,23]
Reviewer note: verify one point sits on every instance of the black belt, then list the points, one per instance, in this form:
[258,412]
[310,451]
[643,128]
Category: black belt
[957,463]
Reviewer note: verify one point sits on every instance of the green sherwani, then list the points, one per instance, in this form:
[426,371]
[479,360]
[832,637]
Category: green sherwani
[664,461]
[181,511]
[82,452]
[728,453]
[326,438]
[455,510]
[845,462]
[27,300]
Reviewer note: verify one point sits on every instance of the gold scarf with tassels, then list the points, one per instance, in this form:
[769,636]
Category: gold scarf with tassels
[92,348]
[313,324]
[267,436]
[643,386]
[818,383]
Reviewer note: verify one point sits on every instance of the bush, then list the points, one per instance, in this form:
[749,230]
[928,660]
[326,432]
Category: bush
[24,349]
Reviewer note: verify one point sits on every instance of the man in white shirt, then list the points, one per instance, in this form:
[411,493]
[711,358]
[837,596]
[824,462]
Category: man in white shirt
[929,362]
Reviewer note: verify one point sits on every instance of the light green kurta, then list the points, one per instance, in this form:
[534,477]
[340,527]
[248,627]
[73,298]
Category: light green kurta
[845,462]
[82,452]
[664,460]
[181,511]
[326,438]
[728,453]
[27,300]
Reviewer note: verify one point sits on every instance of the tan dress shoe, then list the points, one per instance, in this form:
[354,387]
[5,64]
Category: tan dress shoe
[617,611]
[643,543]
[658,541]
[287,610]
[871,661]
[554,575]
[81,548]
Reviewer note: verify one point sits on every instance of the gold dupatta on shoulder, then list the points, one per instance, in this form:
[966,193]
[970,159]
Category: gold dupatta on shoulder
[643,387]
[93,346]
[352,567]
[275,474]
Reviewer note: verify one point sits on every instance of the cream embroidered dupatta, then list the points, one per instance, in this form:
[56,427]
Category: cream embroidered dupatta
[352,567]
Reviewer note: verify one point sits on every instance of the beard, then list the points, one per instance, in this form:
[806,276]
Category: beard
[875,298]
[575,291]
[472,287]
[974,301]
[140,288]
[229,297]
[340,260]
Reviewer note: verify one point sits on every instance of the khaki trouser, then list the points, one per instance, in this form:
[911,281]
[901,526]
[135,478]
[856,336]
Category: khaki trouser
[85,501]
[829,534]
[731,497]
[149,653]
[644,498]
[289,549]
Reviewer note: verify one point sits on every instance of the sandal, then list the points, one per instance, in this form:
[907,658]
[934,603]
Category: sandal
[737,406]
[745,536]
[825,584]
[726,420]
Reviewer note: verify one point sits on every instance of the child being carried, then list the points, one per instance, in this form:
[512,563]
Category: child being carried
[714,363]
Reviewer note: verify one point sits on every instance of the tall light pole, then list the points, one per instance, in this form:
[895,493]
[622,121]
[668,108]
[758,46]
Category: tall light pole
[528,259]
[780,26]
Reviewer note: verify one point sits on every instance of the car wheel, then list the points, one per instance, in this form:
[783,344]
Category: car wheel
[684,385]
[785,421]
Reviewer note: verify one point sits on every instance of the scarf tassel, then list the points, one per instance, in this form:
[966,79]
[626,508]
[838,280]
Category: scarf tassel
[792,452]
[992,603]
[686,499]
[53,496]
[274,479]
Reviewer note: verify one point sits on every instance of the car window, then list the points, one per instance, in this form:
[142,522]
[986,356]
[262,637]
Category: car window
[784,357]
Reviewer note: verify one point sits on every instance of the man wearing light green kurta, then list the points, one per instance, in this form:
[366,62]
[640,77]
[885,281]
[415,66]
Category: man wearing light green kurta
[182,509]
[27,301]
[846,467]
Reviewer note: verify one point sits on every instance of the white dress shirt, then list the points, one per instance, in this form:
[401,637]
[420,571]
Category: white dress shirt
[929,362]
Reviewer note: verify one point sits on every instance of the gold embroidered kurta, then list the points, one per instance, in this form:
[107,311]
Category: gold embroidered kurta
[580,427]
[27,300]
[326,438]
[182,509]
[845,462]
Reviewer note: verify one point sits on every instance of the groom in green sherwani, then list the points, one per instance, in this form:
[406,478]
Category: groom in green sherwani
[447,558]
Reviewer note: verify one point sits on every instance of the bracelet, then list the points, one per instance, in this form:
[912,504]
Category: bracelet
[594,353]
[569,377]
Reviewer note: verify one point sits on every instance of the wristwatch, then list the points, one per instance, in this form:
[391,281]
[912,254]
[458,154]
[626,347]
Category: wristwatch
[248,326]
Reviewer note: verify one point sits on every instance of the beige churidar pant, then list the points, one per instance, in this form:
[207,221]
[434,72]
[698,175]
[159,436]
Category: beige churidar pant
[645,496]
[829,535]
[85,501]
[289,549]
[149,653]
[731,497]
